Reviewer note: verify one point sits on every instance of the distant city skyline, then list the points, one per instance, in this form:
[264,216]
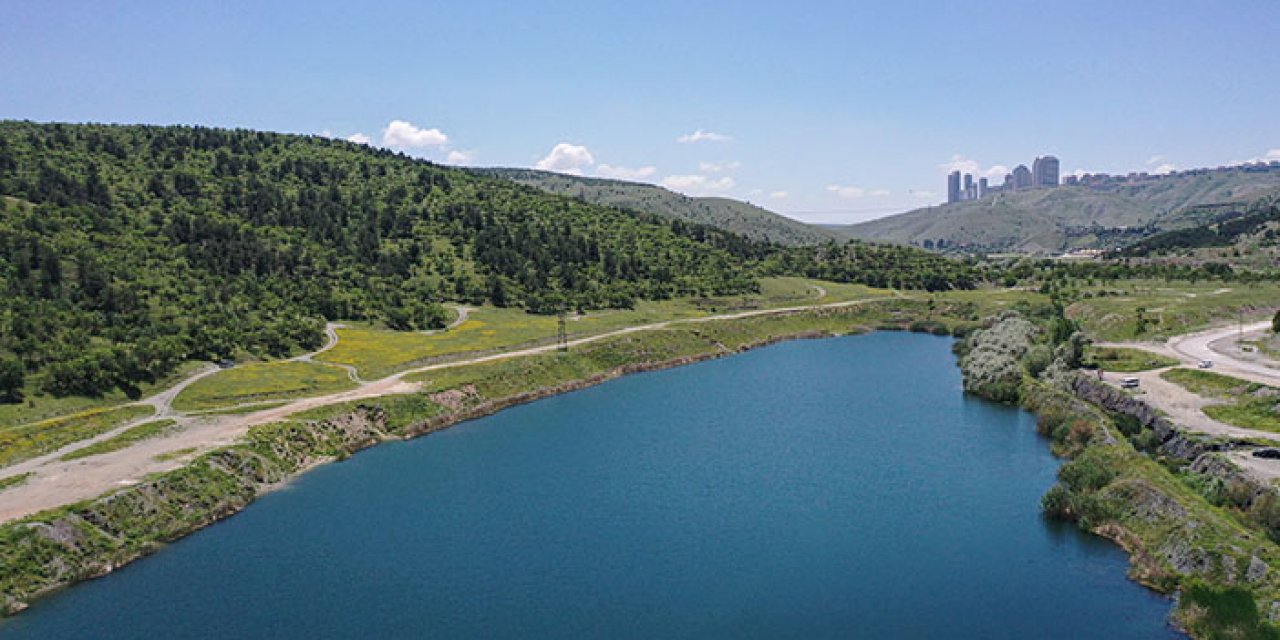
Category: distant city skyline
[1044,173]
[824,111]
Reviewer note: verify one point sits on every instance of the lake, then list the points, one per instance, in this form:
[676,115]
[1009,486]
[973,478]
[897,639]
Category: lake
[813,489]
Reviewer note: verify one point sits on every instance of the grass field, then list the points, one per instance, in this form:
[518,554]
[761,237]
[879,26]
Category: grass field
[262,381]
[30,440]
[376,353]
[1168,308]
[130,436]
[36,407]
[1127,360]
[1246,404]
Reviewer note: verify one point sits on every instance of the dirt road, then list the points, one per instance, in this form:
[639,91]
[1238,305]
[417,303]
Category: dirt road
[56,482]
[1185,408]
[1216,346]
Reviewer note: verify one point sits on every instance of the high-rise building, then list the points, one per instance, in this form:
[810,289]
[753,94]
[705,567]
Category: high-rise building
[1044,172]
[1022,177]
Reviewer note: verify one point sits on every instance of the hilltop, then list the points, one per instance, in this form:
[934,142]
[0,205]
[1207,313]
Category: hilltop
[1108,214]
[731,215]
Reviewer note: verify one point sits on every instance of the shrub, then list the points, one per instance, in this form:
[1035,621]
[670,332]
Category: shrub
[1037,359]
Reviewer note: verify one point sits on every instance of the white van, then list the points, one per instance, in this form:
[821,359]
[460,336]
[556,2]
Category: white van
[1129,383]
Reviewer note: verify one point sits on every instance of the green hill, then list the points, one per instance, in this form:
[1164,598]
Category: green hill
[1114,213]
[1242,236]
[126,250]
[722,213]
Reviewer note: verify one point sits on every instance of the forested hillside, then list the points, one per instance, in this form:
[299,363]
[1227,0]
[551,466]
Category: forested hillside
[1244,235]
[738,217]
[125,250]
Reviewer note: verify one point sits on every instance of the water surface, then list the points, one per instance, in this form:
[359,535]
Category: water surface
[815,489]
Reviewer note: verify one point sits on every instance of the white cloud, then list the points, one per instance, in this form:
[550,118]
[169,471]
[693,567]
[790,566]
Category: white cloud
[703,136]
[1163,168]
[457,156]
[567,158]
[878,193]
[778,195]
[359,138]
[698,184]
[847,192]
[922,193]
[326,134]
[1270,156]
[625,173]
[711,167]
[405,135]
[967,165]
[996,172]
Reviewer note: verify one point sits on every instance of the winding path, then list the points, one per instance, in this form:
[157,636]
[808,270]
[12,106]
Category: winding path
[57,482]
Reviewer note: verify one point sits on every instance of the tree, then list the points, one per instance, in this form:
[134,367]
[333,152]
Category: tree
[12,377]
[1141,326]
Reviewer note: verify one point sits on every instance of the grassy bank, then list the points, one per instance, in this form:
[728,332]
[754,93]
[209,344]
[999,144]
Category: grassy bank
[28,441]
[1186,528]
[1244,404]
[1127,360]
[1158,309]
[260,382]
[129,437]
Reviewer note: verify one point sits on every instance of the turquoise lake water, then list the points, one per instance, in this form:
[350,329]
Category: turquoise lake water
[816,489]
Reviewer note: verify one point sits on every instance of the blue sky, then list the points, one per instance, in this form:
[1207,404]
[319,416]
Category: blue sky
[827,111]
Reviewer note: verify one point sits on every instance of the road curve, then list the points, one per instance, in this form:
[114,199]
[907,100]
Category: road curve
[1199,346]
[1192,348]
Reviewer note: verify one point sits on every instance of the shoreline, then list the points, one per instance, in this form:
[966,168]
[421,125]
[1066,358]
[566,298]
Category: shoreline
[70,538]
[55,549]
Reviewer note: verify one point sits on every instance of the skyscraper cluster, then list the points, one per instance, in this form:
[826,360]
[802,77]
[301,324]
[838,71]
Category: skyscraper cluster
[1043,173]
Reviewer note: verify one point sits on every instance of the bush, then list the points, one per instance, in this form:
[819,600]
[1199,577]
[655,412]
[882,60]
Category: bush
[992,361]
[1209,611]
[1037,359]
[12,377]
[1086,474]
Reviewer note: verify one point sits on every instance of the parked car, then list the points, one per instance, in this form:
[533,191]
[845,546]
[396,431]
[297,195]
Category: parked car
[1205,364]
[1129,383]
